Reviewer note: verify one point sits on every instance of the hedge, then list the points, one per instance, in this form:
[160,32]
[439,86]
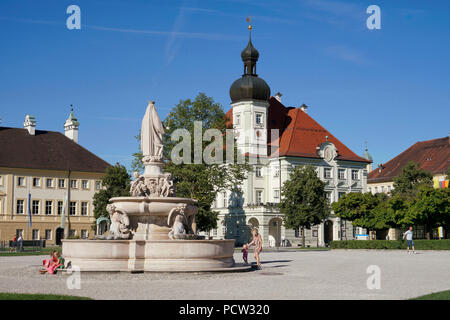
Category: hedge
[443,244]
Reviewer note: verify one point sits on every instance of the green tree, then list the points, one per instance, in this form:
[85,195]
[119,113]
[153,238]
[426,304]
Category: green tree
[115,183]
[411,179]
[397,209]
[360,209]
[304,202]
[200,181]
[430,208]
[448,173]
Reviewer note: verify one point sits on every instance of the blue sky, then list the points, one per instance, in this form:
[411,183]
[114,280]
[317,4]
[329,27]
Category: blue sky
[390,87]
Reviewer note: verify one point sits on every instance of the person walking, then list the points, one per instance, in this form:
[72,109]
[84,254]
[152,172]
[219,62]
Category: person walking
[283,241]
[257,243]
[20,242]
[13,244]
[409,240]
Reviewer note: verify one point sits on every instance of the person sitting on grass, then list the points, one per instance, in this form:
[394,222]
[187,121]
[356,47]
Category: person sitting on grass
[60,259]
[51,264]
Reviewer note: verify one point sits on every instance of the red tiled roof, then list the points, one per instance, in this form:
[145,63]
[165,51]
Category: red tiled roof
[48,150]
[300,134]
[432,155]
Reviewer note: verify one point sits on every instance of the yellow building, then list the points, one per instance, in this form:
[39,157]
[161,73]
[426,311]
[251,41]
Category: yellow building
[48,177]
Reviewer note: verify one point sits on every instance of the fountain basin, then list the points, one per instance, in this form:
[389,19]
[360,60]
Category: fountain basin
[149,216]
[151,255]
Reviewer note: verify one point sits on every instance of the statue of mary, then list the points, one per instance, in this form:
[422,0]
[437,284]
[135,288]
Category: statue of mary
[152,131]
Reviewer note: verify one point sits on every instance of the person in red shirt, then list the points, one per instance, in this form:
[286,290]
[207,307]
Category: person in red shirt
[14,245]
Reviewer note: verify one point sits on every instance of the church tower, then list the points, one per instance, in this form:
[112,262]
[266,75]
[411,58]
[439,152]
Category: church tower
[71,126]
[249,100]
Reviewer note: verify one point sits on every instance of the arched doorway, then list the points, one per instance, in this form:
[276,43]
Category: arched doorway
[275,232]
[328,231]
[59,234]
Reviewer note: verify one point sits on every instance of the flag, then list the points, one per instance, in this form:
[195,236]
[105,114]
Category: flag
[29,209]
[63,216]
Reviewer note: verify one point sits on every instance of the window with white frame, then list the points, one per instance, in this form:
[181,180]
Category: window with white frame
[259,196]
[382,188]
[276,172]
[84,184]
[48,207]
[20,181]
[35,206]
[72,208]
[49,182]
[225,199]
[72,233]
[237,120]
[341,174]
[327,173]
[329,198]
[224,229]
[98,185]
[259,118]
[355,174]
[35,234]
[73,184]
[84,234]
[60,207]
[84,208]
[376,189]
[48,234]
[20,206]
[214,232]
[276,194]
[258,172]
[61,183]
[389,189]
[36,182]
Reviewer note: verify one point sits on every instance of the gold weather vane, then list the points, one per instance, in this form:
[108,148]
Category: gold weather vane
[249,20]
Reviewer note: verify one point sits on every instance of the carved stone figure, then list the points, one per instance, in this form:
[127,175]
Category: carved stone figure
[138,187]
[120,223]
[152,131]
[178,230]
[166,183]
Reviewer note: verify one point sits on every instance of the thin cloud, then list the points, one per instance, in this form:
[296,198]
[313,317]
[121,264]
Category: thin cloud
[345,53]
[192,35]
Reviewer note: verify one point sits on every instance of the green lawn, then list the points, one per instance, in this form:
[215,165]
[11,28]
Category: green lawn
[443,295]
[45,251]
[38,296]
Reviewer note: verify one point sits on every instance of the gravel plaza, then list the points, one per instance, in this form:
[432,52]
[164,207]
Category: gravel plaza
[335,274]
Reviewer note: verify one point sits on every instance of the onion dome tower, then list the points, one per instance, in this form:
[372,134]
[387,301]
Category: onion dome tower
[250,102]
[249,86]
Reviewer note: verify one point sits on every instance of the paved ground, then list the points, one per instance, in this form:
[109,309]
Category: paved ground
[336,274]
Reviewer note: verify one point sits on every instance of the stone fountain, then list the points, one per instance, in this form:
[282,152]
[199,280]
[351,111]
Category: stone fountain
[152,230]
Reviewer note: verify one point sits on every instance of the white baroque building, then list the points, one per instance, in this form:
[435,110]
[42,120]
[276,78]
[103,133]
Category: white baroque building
[282,138]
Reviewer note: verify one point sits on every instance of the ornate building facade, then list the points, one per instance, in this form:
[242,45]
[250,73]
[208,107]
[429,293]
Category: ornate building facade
[279,138]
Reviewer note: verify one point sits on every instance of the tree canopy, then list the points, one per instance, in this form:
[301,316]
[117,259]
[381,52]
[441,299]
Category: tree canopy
[411,179]
[116,183]
[304,201]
